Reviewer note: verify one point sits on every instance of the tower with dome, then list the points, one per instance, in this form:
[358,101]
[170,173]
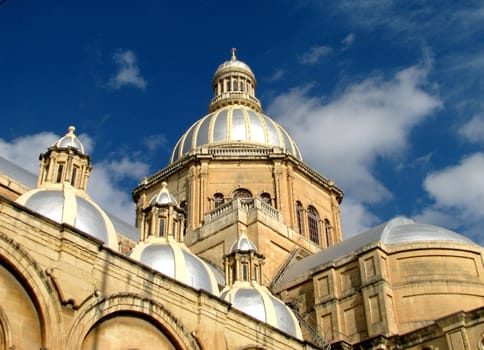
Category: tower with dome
[237,244]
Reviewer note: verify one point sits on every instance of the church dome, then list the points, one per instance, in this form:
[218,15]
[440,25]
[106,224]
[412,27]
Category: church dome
[247,295]
[176,261]
[70,140]
[163,197]
[65,204]
[243,244]
[235,117]
[236,126]
[259,303]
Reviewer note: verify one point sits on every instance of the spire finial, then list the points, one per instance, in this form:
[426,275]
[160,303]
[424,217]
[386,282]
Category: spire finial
[234,50]
[71,129]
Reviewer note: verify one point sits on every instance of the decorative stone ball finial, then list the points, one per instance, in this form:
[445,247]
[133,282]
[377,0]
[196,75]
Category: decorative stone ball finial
[71,129]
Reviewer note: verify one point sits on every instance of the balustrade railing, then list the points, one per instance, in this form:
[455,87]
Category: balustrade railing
[245,204]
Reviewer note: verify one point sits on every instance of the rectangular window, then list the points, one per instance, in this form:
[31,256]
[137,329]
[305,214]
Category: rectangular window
[162,228]
[245,272]
[73,177]
[60,169]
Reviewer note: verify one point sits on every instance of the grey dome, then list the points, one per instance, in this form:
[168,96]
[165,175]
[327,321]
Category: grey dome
[235,125]
[259,303]
[401,229]
[68,206]
[163,197]
[70,140]
[243,244]
[175,261]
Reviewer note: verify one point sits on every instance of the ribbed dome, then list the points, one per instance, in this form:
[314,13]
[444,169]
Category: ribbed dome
[243,244]
[235,126]
[259,303]
[164,197]
[70,140]
[175,260]
[67,205]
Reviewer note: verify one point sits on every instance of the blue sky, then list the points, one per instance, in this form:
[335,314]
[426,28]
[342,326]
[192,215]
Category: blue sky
[386,97]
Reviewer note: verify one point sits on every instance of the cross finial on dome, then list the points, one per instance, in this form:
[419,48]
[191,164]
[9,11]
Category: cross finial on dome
[234,58]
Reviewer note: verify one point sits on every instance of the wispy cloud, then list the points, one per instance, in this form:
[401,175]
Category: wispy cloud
[277,75]
[128,73]
[369,120]
[348,41]
[154,142]
[314,54]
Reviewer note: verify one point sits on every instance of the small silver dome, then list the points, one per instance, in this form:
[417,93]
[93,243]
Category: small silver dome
[243,244]
[66,205]
[235,125]
[259,303]
[70,140]
[176,261]
[163,197]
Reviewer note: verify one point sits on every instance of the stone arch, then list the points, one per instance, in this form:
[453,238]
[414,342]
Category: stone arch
[243,194]
[38,288]
[134,305]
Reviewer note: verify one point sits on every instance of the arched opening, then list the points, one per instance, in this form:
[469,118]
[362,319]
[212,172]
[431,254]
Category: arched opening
[266,198]
[313,224]
[218,200]
[24,328]
[125,330]
[242,194]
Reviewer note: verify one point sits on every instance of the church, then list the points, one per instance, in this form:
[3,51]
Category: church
[237,244]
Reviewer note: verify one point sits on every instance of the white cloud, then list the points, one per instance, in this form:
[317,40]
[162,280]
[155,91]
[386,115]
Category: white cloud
[24,151]
[348,41]
[125,168]
[355,217]
[458,192]
[344,136]
[128,73]
[314,54]
[106,192]
[460,186]
[473,130]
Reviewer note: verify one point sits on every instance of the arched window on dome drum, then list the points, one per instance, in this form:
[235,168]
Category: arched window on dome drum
[327,232]
[300,217]
[313,224]
[266,198]
[242,194]
[218,200]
